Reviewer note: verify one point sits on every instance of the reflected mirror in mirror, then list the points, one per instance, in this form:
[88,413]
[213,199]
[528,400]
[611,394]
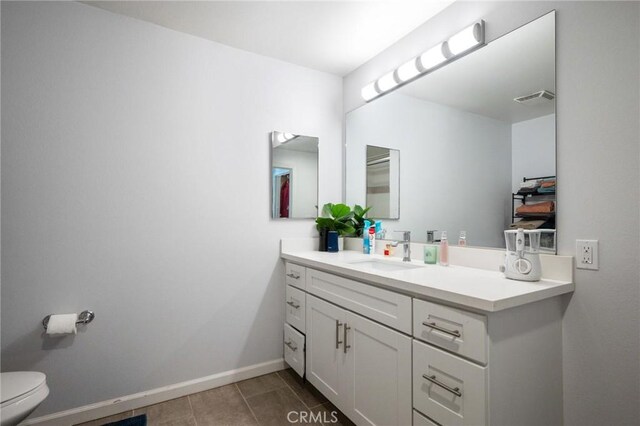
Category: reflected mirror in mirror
[473,157]
[294,176]
[383,182]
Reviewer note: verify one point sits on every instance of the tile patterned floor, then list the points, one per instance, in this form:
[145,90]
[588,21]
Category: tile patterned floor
[264,400]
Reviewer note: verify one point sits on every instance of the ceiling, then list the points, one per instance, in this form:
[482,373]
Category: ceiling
[486,81]
[331,36]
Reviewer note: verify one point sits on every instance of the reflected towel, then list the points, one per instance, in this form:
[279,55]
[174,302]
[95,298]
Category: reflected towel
[544,207]
[527,224]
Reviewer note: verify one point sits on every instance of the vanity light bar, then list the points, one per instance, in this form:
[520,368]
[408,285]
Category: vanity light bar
[458,45]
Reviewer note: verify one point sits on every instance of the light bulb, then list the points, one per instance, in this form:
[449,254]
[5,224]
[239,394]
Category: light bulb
[465,39]
[432,57]
[408,70]
[369,91]
[280,137]
[387,82]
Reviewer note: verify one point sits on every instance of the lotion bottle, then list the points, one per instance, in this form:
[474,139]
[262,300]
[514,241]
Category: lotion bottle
[444,250]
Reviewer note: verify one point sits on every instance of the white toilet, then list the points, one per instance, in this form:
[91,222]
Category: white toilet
[21,392]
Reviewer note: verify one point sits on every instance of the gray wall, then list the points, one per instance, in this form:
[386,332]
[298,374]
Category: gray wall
[135,182]
[598,109]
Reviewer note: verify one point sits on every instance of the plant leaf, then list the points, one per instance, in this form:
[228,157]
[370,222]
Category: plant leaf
[340,210]
[326,210]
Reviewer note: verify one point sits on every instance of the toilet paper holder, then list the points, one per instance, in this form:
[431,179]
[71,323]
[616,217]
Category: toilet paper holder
[85,317]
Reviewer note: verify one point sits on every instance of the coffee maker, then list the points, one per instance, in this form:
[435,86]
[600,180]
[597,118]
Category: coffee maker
[522,261]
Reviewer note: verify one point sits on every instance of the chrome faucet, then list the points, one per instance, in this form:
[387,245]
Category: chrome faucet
[406,245]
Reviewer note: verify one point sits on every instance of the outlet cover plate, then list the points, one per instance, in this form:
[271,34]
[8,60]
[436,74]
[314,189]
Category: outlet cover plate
[587,254]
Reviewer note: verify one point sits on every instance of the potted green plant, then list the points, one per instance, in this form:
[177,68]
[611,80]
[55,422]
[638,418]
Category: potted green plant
[359,215]
[335,217]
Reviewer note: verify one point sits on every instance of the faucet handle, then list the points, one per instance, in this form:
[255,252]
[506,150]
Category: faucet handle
[406,235]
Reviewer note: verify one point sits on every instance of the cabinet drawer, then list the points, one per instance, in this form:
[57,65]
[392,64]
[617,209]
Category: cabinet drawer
[295,307]
[460,332]
[421,420]
[294,349]
[384,306]
[448,389]
[294,275]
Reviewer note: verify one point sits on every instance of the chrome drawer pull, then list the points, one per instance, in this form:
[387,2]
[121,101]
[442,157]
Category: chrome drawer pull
[291,346]
[346,328]
[293,305]
[338,325]
[432,379]
[294,276]
[454,333]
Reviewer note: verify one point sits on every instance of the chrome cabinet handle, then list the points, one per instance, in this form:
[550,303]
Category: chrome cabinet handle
[293,305]
[294,276]
[432,379]
[291,346]
[338,325]
[346,328]
[454,333]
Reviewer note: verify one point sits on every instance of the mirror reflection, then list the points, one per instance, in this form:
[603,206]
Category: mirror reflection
[383,182]
[475,158]
[294,176]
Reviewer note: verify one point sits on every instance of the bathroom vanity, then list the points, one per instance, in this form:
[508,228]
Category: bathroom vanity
[400,343]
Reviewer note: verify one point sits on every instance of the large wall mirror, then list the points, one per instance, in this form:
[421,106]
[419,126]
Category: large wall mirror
[294,176]
[474,158]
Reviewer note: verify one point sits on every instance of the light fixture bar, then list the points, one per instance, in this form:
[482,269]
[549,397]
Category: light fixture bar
[455,47]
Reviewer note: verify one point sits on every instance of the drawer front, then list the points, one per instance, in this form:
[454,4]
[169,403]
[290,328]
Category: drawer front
[386,307]
[295,275]
[420,420]
[295,307]
[448,389]
[294,349]
[460,332]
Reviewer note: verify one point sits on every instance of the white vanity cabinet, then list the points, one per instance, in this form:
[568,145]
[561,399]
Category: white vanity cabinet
[364,368]
[386,358]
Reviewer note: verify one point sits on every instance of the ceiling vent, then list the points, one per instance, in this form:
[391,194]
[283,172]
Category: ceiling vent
[536,98]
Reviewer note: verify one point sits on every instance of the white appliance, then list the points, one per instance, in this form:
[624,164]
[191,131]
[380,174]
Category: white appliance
[22,392]
[522,261]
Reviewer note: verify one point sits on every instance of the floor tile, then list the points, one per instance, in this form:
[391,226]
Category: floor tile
[305,391]
[272,408]
[110,419]
[222,406]
[260,385]
[173,412]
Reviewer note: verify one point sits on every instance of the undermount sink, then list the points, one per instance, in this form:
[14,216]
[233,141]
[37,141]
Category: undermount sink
[380,265]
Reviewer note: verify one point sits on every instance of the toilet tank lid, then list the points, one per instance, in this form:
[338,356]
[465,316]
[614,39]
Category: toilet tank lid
[17,383]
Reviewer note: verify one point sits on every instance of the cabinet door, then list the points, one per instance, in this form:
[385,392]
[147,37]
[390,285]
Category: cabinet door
[325,355]
[377,373]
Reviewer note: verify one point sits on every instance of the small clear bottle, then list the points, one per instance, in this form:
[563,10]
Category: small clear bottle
[444,249]
[462,240]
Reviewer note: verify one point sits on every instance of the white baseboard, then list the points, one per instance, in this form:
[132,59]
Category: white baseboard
[138,400]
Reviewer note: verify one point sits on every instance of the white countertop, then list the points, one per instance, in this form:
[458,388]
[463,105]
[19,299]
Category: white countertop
[469,287]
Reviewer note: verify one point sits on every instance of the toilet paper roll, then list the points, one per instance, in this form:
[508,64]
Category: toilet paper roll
[62,324]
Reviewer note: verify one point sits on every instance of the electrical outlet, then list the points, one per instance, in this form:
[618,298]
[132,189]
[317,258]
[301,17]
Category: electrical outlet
[587,254]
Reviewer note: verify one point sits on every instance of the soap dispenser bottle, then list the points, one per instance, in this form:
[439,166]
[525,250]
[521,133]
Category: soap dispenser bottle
[444,249]
[430,249]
